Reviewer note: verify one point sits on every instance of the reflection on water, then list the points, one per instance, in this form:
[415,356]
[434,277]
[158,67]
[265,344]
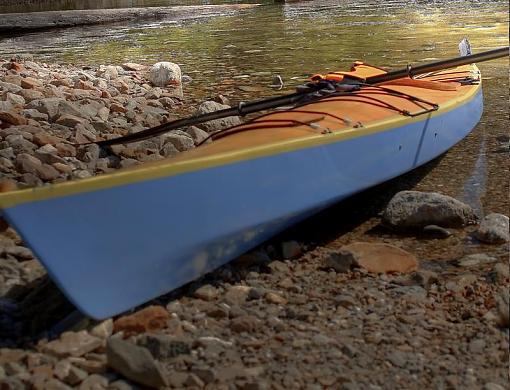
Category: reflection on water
[475,185]
[11,6]
[294,39]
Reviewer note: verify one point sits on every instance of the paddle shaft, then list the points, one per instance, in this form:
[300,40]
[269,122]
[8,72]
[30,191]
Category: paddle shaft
[412,71]
[278,101]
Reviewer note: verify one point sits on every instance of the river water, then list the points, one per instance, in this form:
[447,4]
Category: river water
[237,53]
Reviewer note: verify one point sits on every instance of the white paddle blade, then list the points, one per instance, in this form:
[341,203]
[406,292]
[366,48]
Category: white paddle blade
[464,48]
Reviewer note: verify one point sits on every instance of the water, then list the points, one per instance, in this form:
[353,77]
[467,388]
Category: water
[237,53]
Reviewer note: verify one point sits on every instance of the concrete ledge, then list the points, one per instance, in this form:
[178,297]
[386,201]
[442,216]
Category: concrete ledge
[23,22]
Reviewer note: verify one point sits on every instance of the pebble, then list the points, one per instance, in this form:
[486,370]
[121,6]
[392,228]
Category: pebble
[217,124]
[275,298]
[206,293]
[73,344]
[165,73]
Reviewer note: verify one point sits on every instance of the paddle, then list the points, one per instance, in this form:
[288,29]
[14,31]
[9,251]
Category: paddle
[293,98]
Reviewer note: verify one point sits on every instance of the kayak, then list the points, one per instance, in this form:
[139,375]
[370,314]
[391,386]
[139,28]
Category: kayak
[115,241]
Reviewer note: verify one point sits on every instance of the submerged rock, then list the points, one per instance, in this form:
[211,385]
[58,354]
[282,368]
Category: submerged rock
[380,258]
[414,209]
[493,229]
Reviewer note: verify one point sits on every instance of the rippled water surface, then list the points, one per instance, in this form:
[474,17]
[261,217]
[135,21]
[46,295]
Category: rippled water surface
[237,53]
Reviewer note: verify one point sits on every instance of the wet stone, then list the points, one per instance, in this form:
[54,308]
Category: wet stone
[414,209]
[476,260]
[494,229]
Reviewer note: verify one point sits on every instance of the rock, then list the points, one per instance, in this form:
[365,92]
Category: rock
[180,140]
[6,106]
[340,260]
[163,346]
[169,150]
[31,113]
[48,106]
[73,344]
[291,249]
[236,295]
[14,99]
[116,107]
[476,259]
[131,66]
[134,362]
[20,144]
[217,124]
[30,83]
[414,209]
[28,163]
[30,95]
[103,330]
[206,375]
[68,373]
[89,154]
[148,319]
[247,323]
[493,386]
[10,87]
[108,72]
[493,229]
[477,346]
[94,382]
[382,258]
[165,73]
[12,118]
[70,120]
[500,273]
[206,293]
[198,135]
[274,298]
[345,301]
[437,231]
[503,314]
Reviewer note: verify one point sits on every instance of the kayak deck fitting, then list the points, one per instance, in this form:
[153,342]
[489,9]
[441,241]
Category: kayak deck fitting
[132,235]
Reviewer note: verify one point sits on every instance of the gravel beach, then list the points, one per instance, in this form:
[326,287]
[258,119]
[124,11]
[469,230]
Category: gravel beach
[356,297]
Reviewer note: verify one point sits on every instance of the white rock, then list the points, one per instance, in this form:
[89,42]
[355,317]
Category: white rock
[164,73]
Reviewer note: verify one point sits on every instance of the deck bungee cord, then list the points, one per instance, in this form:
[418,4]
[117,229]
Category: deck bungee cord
[320,88]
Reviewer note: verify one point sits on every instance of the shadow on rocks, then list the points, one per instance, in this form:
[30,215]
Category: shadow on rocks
[348,214]
[33,311]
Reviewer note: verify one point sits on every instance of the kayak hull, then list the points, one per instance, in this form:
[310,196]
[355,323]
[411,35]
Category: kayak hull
[113,248]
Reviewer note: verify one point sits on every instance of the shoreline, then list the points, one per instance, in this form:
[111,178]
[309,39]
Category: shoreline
[13,23]
[289,314]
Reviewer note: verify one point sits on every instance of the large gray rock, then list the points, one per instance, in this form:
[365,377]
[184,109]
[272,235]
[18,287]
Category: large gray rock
[493,229]
[165,73]
[134,362]
[217,124]
[414,209]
